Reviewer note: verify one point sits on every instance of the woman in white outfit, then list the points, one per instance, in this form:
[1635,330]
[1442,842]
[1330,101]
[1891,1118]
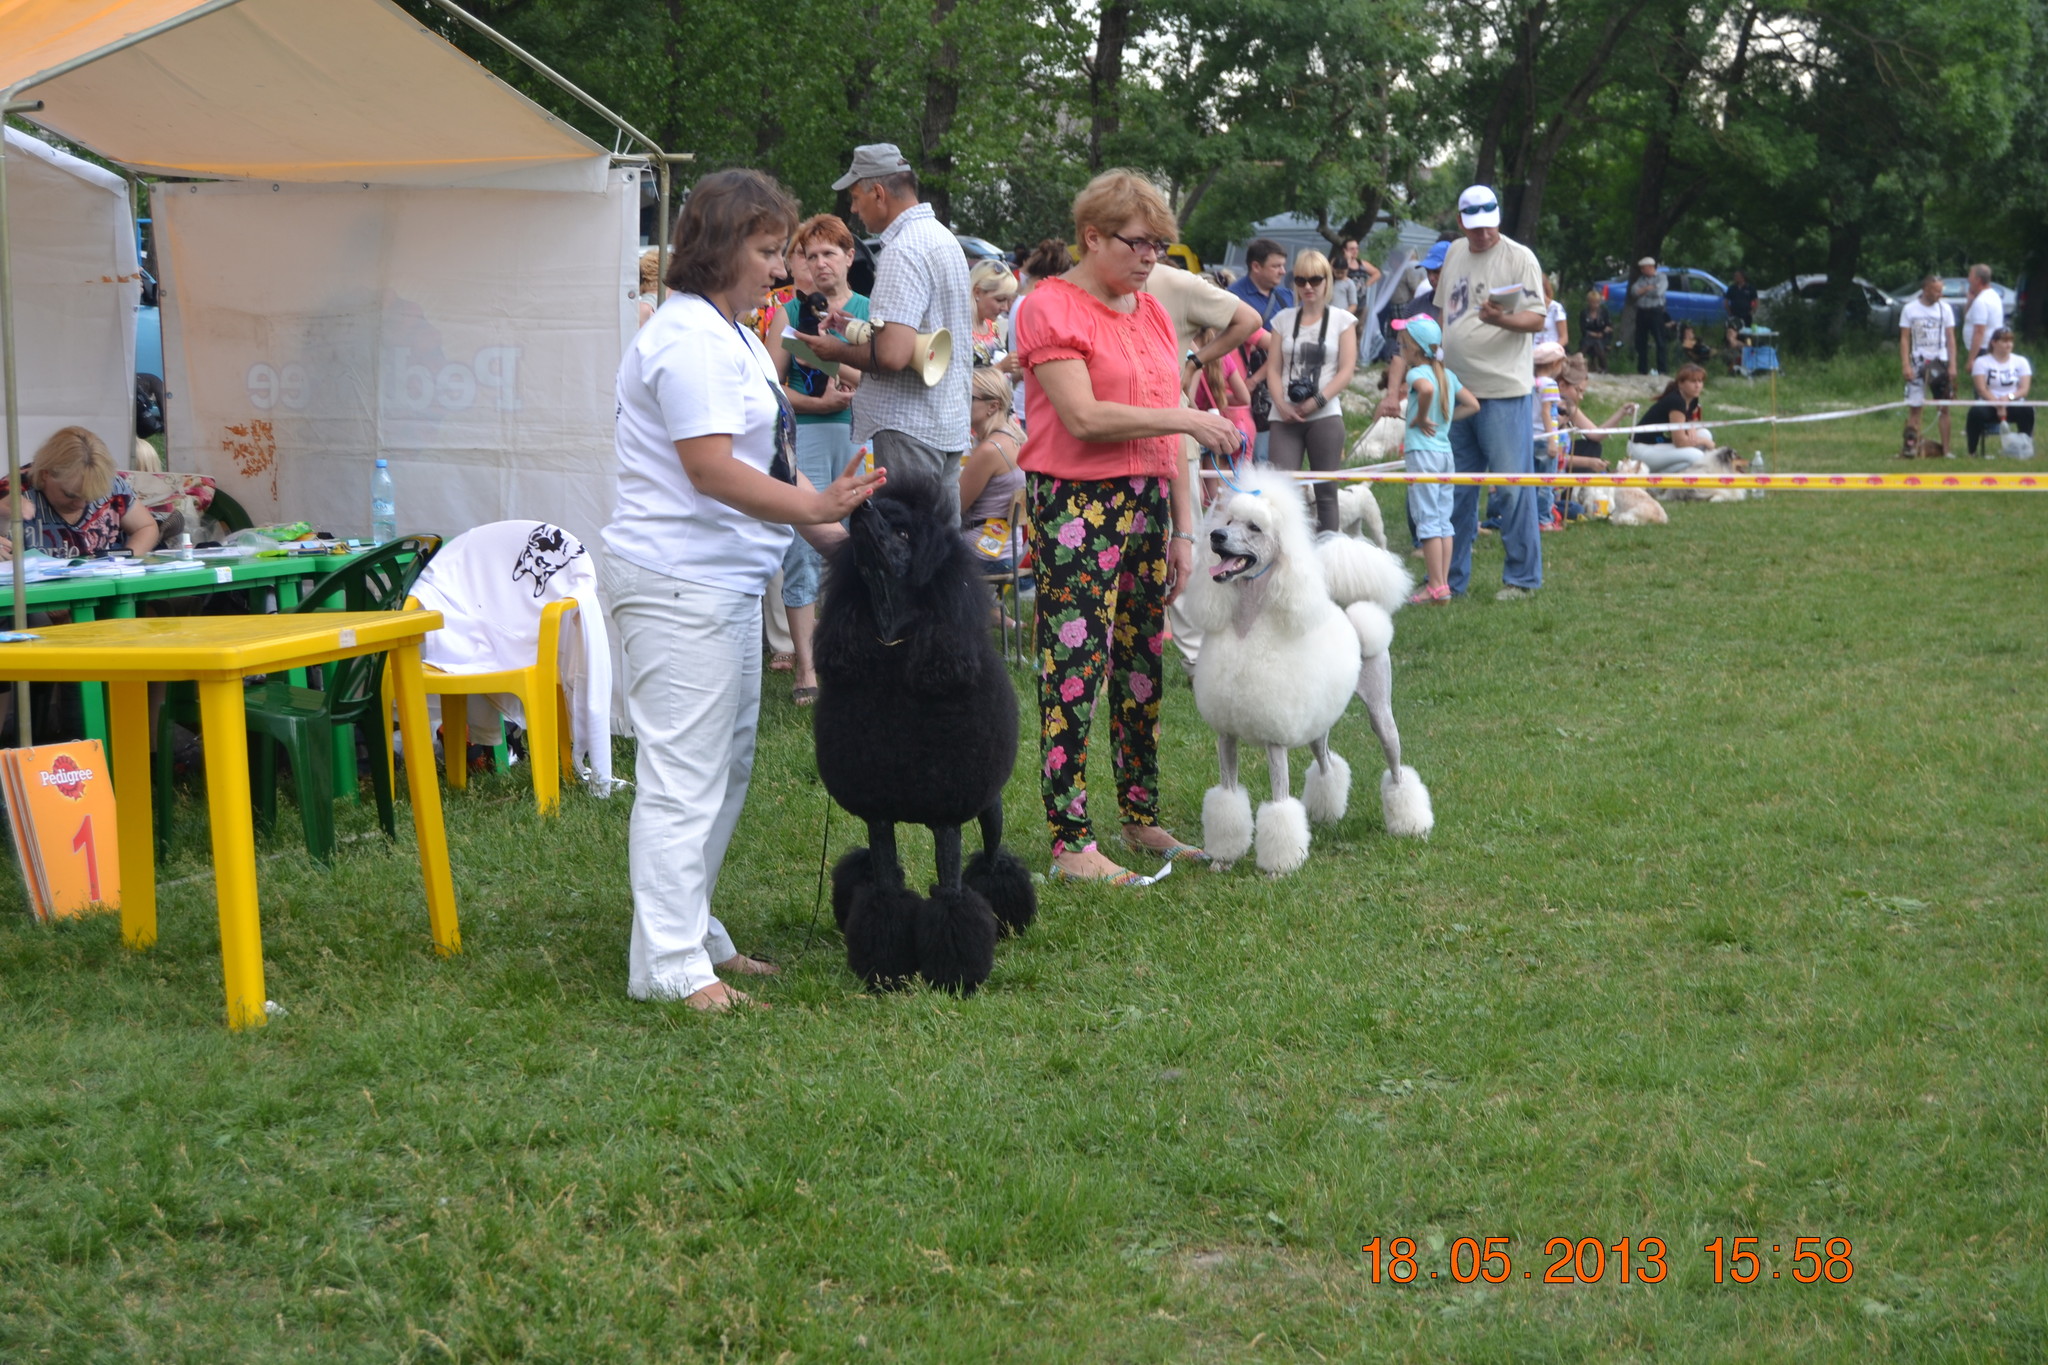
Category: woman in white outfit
[707,494]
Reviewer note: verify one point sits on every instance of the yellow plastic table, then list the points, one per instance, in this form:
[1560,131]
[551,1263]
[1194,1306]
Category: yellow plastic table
[217,652]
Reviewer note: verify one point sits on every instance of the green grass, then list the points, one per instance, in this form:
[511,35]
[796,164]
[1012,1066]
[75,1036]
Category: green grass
[1731,926]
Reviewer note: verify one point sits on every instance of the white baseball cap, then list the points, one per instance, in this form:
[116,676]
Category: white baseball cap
[1479,207]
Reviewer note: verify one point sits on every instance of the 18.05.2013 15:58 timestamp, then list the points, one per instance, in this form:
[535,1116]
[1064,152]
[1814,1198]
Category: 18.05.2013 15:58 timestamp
[1590,1260]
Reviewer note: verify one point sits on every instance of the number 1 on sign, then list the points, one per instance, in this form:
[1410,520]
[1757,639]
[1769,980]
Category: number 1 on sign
[82,842]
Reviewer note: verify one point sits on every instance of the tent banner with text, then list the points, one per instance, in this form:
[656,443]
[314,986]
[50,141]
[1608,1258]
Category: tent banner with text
[470,337]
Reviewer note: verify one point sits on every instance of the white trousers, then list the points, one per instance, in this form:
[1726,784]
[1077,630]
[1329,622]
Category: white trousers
[693,690]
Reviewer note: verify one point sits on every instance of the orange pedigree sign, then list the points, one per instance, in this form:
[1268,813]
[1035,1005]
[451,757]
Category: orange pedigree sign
[60,803]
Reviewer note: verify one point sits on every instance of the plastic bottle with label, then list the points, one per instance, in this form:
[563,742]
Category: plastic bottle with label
[383,504]
[1757,466]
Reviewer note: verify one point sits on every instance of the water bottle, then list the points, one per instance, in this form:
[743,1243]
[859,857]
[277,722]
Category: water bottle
[1757,466]
[383,504]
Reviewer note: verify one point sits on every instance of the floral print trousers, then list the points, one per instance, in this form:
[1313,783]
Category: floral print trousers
[1100,551]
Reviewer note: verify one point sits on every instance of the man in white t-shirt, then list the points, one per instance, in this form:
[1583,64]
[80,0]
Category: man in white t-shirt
[1197,306]
[1986,313]
[1491,292]
[1927,358]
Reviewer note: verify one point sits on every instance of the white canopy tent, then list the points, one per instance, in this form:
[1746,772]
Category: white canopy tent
[418,261]
[75,290]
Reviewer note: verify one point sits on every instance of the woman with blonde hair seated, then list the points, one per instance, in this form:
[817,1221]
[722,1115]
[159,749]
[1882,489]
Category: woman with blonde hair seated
[995,288]
[76,504]
[990,478]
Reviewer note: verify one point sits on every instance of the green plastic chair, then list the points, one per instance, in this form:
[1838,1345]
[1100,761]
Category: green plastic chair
[303,719]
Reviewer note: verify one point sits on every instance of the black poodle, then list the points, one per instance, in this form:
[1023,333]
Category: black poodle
[916,722]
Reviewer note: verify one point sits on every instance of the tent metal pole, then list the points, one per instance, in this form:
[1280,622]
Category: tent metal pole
[122,44]
[554,77]
[660,238]
[9,387]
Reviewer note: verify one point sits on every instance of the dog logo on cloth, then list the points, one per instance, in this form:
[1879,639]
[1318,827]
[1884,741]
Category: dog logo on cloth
[549,550]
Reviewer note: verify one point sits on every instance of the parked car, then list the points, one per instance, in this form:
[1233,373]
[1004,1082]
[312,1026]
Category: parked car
[1878,307]
[861,275]
[1955,290]
[1691,296]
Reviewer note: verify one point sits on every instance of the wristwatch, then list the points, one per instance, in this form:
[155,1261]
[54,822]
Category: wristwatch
[1191,358]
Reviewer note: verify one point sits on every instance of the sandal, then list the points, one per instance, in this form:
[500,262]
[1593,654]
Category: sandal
[1175,852]
[1427,596]
[803,696]
[1126,878]
[782,662]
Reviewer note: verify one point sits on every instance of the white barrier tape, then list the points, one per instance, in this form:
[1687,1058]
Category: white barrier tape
[1925,483]
[1798,418]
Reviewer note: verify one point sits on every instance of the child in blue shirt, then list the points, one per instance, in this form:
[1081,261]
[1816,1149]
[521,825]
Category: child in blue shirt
[1435,399]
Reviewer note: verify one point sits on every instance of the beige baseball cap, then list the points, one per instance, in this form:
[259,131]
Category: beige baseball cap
[872,162]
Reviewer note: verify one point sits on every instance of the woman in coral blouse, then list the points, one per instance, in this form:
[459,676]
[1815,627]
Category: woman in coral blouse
[1112,519]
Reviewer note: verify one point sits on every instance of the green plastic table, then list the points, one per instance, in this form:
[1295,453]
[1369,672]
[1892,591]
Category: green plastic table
[116,596]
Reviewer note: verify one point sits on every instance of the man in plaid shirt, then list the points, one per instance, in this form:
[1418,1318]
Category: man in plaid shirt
[920,286]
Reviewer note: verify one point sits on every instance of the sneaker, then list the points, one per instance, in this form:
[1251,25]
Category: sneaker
[1511,593]
[1556,522]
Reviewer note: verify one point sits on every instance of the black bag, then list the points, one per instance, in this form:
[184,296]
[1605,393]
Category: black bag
[149,405]
[1254,361]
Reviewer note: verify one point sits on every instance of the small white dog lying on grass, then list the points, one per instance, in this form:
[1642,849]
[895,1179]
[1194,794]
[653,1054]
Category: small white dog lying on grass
[1295,626]
[1635,506]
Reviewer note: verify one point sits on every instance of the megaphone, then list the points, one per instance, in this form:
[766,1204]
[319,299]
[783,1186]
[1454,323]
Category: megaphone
[934,351]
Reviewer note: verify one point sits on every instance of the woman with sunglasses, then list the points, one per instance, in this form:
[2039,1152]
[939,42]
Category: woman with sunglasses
[1309,364]
[1112,518]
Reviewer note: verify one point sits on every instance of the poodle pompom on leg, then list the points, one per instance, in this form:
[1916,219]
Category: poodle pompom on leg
[1327,789]
[1283,836]
[881,935]
[955,940]
[1226,811]
[850,875]
[1226,825]
[1404,804]
[1282,833]
[1000,877]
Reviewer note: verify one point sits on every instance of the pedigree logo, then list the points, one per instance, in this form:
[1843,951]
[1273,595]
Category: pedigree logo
[67,777]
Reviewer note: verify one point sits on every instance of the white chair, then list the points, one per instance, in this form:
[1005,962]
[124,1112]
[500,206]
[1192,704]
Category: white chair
[523,627]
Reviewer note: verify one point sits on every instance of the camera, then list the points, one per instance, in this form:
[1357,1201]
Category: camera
[1299,391]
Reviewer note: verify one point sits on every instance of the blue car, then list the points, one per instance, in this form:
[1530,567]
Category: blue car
[1692,296]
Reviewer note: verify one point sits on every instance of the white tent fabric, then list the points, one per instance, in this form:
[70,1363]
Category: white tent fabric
[76,287]
[471,337]
[288,90]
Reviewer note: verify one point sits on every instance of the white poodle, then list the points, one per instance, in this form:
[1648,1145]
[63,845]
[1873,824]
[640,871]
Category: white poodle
[1295,626]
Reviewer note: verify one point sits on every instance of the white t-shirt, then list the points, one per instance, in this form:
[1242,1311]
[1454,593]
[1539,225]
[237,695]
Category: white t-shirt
[1553,318]
[2002,378]
[1986,310]
[1930,324]
[690,372]
[1493,361]
[1300,359]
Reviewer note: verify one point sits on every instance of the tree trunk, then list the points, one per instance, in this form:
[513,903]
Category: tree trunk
[1511,87]
[1106,74]
[941,103]
[1534,177]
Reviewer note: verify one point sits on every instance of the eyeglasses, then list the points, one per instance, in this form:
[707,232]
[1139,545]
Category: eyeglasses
[1304,281]
[1140,245]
